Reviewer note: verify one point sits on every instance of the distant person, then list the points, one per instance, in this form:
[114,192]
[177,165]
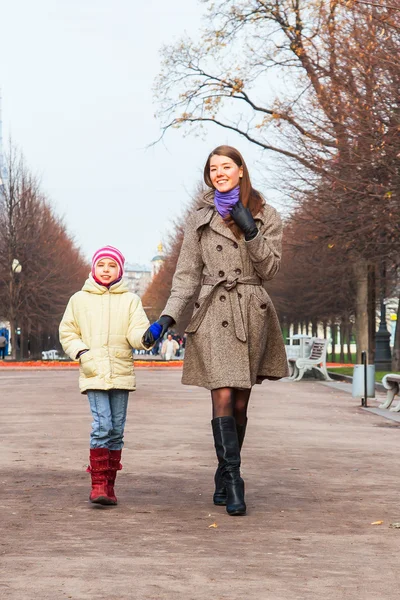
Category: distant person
[183,346]
[100,326]
[157,348]
[3,344]
[231,247]
[169,348]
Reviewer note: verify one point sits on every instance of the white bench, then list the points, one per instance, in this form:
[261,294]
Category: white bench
[316,360]
[50,355]
[391,382]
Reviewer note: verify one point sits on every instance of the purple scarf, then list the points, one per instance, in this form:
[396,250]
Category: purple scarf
[224,201]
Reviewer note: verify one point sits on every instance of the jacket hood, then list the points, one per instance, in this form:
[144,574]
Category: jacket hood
[93,287]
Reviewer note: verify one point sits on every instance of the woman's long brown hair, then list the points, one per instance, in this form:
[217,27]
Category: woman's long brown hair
[248,195]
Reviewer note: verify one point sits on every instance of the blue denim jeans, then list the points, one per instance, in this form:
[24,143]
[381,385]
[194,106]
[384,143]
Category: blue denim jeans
[109,416]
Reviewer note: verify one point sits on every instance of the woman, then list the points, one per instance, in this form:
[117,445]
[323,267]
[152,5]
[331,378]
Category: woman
[232,245]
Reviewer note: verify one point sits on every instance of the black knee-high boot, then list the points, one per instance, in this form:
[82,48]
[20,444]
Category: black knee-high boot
[219,497]
[228,454]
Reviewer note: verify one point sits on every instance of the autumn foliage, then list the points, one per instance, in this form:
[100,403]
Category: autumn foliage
[53,268]
[316,83]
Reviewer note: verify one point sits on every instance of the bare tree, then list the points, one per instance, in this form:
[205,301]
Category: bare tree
[33,238]
[335,124]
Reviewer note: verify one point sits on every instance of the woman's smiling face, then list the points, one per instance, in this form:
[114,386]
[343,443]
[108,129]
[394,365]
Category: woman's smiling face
[224,173]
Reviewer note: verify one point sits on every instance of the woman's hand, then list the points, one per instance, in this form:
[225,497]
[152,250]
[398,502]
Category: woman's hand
[157,330]
[244,220]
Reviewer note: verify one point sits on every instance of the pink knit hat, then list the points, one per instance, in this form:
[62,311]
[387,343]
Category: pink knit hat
[109,252]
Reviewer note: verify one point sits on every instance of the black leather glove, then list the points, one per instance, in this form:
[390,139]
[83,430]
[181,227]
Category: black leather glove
[166,322]
[244,219]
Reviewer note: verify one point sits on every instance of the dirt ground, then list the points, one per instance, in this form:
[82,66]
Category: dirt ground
[318,472]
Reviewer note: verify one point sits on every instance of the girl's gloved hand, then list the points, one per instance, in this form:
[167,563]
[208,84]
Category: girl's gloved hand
[244,219]
[157,330]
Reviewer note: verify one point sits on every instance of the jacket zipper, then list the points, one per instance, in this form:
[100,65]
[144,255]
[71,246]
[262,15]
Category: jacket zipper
[108,333]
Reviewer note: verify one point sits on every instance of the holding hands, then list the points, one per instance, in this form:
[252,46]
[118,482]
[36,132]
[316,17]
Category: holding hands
[157,330]
[244,219]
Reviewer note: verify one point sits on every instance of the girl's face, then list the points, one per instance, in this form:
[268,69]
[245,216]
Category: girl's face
[224,173]
[106,271]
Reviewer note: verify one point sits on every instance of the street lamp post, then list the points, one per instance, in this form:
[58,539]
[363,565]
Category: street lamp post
[16,269]
[383,356]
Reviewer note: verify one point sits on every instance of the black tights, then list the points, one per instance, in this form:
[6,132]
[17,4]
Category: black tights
[230,402]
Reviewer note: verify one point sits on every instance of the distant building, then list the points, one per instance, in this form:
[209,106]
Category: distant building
[158,260]
[138,277]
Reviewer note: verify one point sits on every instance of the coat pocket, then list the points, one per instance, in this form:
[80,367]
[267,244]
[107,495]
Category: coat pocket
[123,363]
[87,364]
[259,305]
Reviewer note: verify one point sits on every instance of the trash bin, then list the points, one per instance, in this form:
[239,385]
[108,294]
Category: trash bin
[358,381]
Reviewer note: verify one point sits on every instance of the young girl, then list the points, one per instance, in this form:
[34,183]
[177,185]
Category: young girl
[100,326]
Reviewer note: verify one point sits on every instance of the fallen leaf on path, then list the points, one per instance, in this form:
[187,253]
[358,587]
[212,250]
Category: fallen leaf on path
[377,523]
[395,525]
[213,525]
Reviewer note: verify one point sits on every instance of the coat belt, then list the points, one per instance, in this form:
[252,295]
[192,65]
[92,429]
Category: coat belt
[229,283]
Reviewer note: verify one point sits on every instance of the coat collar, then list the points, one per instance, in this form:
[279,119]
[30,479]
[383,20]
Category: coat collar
[93,287]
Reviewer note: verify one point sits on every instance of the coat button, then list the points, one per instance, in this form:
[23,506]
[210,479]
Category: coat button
[240,295]
[221,274]
[219,248]
[222,298]
[263,306]
[196,305]
[225,323]
[235,245]
[238,271]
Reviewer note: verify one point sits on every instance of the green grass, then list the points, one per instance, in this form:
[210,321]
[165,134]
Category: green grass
[337,358]
[349,371]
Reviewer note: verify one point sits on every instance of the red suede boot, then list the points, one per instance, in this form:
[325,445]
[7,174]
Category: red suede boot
[114,466]
[99,464]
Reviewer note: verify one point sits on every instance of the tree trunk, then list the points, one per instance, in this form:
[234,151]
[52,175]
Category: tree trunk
[371,313]
[360,270]
[349,333]
[314,329]
[307,327]
[13,337]
[333,336]
[285,329]
[396,347]
[342,330]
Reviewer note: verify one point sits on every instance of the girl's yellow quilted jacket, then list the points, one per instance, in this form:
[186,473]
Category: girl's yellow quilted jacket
[108,323]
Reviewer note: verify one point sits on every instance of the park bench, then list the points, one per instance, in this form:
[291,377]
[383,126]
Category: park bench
[316,360]
[50,355]
[391,382]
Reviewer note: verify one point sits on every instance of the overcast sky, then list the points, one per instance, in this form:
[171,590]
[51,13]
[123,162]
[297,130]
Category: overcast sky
[76,79]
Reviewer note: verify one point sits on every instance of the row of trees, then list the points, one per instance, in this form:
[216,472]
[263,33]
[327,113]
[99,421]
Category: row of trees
[40,266]
[333,121]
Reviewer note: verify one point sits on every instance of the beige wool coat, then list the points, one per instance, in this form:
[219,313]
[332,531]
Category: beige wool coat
[108,322]
[234,338]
